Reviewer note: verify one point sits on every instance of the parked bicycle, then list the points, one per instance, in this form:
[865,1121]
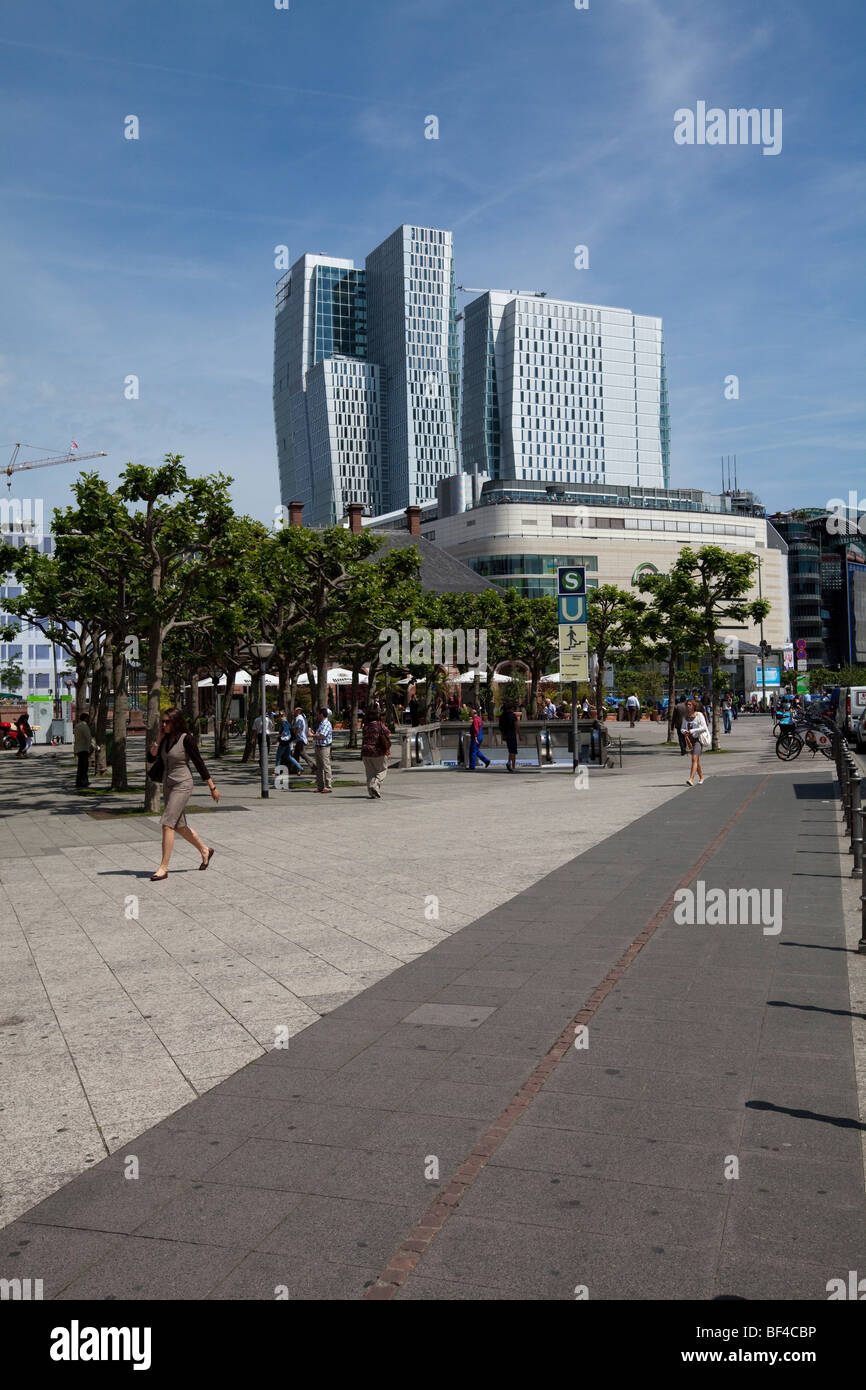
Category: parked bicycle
[818,735]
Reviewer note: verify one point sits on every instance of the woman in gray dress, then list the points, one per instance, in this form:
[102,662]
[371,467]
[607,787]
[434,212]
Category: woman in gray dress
[178,749]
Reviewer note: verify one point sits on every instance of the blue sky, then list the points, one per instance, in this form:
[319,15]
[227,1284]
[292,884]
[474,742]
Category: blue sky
[260,127]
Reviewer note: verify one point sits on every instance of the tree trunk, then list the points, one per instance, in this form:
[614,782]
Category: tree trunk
[284,696]
[353,710]
[154,693]
[104,674]
[321,658]
[119,779]
[533,691]
[254,709]
[194,701]
[82,672]
[672,690]
[599,685]
[714,694]
[226,711]
[390,718]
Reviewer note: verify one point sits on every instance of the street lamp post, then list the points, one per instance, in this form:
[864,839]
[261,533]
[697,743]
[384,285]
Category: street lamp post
[263,651]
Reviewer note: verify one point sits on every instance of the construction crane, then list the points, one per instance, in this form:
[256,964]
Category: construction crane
[15,467]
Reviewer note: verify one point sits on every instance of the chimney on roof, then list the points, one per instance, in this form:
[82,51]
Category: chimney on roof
[295,513]
[413,520]
[355,511]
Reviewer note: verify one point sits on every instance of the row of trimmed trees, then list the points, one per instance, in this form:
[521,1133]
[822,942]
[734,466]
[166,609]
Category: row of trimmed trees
[161,571]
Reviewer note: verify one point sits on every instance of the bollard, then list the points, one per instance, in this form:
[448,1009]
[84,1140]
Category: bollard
[861,945]
[856,825]
[843,785]
[853,772]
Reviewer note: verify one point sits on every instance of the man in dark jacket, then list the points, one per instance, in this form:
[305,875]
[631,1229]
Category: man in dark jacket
[680,716]
[375,748]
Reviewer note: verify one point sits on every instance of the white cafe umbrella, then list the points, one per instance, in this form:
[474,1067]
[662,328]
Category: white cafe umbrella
[337,675]
[241,678]
[468,677]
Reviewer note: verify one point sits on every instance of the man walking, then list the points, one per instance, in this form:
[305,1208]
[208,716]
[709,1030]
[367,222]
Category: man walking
[681,714]
[301,738]
[726,713]
[508,727]
[284,745]
[632,705]
[269,729]
[82,745]
[375,748]
[476,735]
[324,737]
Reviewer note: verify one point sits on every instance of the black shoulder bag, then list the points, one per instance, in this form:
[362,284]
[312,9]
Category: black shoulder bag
[156,771]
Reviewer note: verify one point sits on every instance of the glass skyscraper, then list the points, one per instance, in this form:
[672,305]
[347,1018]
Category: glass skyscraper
[327,398]
[366,377]
[560,392]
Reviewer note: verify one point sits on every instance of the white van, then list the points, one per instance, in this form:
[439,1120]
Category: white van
[850,710]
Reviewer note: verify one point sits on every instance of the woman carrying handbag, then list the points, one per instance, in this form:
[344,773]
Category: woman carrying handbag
[697,735]
[172,756]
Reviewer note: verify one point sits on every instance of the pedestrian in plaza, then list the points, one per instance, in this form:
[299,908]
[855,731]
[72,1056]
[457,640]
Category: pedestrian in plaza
[632,705]
[171,759]
[375,748]
[284,745]
[476,737]
[82,747]
[698,738]
[323,739]
[584,708]
[681,714]
[269,729]
[24,735]
[509,727]
[735,705]
[727,710]
[300,737]
[413,709]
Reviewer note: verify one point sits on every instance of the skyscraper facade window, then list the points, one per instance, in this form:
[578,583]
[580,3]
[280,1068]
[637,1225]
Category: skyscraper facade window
[384,430]
[561,392]
[327,416]
[412,323]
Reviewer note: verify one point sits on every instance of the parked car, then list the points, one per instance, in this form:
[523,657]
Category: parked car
[7,735]
[850,709]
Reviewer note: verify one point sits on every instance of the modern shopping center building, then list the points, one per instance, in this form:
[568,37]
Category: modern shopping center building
[517,532]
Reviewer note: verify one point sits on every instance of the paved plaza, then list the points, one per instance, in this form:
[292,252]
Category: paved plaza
[429,1130]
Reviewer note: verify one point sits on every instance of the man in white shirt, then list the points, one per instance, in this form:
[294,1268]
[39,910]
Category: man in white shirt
[269,729]
[632,706]
[324,737]
[301,738]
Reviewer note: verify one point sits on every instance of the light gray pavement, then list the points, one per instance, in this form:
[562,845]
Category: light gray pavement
[123,1018]
[310,1169]
[121,1000]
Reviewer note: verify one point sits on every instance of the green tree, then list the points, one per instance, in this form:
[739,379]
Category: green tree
[714,584]
[616,619]
[11,675]
[672,625]
[178,530]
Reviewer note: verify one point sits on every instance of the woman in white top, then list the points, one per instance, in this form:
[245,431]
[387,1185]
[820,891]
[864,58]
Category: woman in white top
[696,728]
